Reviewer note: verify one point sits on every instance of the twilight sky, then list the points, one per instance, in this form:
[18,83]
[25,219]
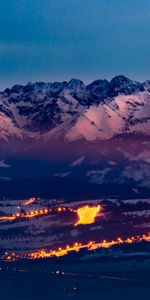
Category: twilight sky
[48,40]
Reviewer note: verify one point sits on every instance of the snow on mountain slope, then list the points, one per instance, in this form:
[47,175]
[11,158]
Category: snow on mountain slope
[8,129]
[123,114]
[72,110]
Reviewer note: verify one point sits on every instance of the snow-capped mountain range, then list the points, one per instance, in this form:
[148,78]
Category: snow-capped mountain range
[74,111]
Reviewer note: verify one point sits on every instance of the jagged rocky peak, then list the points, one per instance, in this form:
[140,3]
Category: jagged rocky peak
[24,89]
[17,88]
[58,86]
[118,85]
[74,110]
[103,88]
[74,84]
[147,85]
[121,84]
[120,80]
[98,86]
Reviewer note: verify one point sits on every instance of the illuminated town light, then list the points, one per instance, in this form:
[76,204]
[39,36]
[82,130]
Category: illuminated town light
[29,201]
[87,214]
[92,245]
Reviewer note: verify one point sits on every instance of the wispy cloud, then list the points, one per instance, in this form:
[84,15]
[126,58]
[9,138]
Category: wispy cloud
[3,164]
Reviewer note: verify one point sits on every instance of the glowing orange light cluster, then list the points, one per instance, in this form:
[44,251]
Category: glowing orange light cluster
[7,218]
[92,245]
[29,201]
[35,213]
[87,214]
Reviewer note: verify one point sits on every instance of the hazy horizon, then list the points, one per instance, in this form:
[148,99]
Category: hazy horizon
[55,41]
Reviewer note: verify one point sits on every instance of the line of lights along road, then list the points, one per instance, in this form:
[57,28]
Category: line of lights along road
[92,245]
[86,215]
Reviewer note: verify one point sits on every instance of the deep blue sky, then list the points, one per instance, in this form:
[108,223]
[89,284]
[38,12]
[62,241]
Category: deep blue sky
[48,40]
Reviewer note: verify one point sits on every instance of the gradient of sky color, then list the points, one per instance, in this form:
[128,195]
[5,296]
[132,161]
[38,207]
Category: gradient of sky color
[49,40]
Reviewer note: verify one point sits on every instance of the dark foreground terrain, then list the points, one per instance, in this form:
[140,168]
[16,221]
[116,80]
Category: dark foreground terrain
[61,278]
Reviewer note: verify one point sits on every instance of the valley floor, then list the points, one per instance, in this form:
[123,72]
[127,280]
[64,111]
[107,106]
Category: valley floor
[116,281]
